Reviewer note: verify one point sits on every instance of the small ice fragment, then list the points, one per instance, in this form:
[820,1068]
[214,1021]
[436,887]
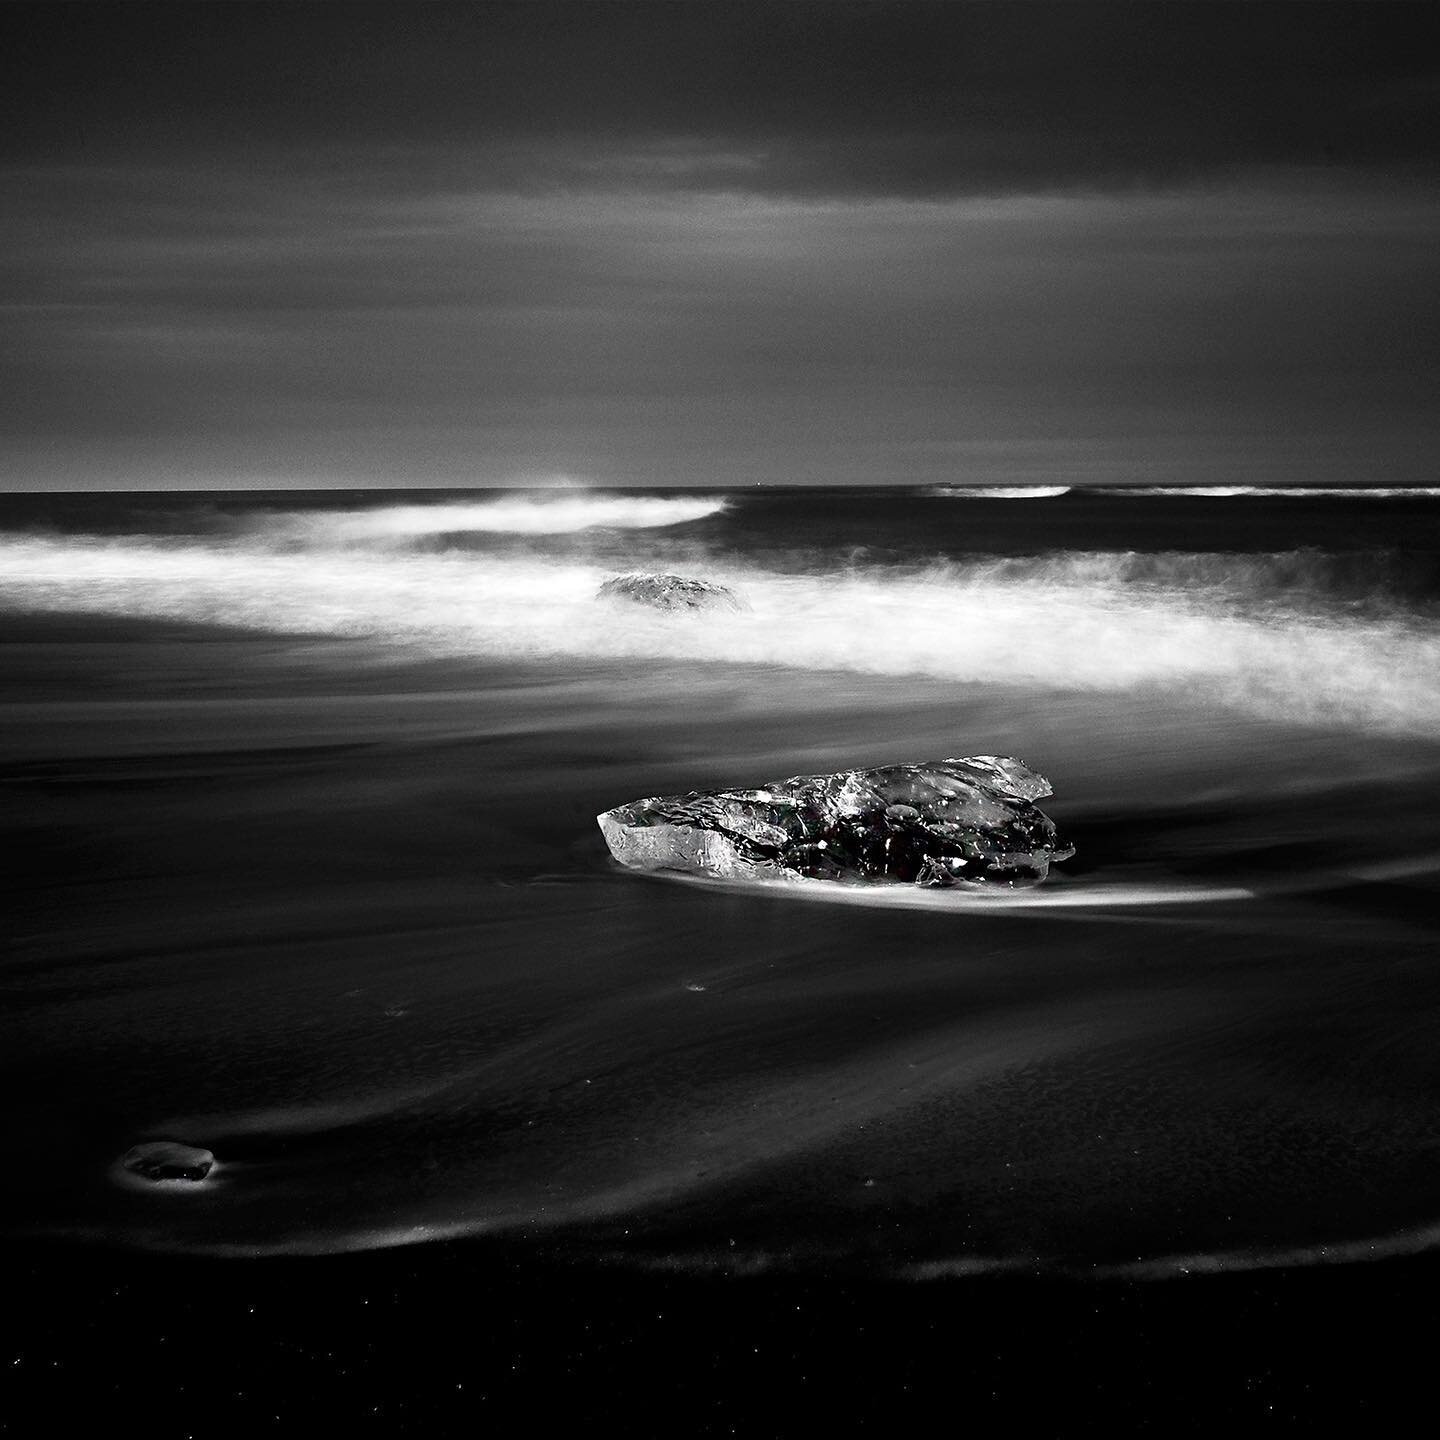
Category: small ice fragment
[168,1160]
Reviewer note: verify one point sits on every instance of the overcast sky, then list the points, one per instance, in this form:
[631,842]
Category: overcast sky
[718,243]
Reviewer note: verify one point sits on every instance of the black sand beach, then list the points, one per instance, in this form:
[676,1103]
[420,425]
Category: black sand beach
[679,1158]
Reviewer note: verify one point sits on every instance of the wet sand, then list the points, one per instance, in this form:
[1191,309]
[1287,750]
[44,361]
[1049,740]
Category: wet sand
[347,919]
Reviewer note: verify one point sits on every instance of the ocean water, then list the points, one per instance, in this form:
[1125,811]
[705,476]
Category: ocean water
[300,798]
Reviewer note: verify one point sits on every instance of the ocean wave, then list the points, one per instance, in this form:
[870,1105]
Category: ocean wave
[1066,622]
[398,525]
[1292,492]
[997,492]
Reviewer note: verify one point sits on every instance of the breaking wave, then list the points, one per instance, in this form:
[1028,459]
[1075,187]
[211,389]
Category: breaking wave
[513,515]
[1303,635]
[1375,582]
[1076,621]
[1260,633]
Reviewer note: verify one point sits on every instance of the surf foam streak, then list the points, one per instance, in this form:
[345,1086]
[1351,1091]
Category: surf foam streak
[514,515]
[999,902]
[1397,1244]
[1097,898]
[1051,625]
[1415,1241]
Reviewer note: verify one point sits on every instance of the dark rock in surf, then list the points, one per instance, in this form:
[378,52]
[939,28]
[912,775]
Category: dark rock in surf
[965,823]
[168,1160]
[669,592]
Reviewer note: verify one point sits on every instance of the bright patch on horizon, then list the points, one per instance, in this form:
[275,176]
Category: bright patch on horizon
[999,492]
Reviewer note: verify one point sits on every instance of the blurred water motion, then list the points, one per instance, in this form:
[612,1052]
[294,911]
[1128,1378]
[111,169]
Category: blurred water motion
[336,909]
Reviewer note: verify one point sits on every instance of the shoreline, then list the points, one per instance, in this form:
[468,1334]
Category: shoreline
[225,841]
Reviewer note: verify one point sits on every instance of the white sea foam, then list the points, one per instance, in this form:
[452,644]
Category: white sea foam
[1319,579]
[1067,623]
[1096,896]
[513,515]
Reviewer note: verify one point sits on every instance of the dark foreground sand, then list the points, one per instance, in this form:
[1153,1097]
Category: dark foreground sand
[461,1339]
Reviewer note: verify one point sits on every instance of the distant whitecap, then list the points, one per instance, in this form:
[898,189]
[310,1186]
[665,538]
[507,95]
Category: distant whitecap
[998,492]
[1292,492]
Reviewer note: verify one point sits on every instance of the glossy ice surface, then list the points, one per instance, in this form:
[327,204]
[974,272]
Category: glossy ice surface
[966,822]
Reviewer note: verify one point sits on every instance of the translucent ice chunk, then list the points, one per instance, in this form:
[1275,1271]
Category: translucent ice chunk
[958,822]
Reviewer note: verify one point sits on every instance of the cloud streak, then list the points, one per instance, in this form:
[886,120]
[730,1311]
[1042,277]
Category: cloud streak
[1278,330]
[918,98]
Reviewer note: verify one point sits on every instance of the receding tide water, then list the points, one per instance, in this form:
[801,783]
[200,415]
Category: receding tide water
[300,798]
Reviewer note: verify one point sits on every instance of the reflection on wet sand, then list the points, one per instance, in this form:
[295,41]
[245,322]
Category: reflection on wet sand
[346,920]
